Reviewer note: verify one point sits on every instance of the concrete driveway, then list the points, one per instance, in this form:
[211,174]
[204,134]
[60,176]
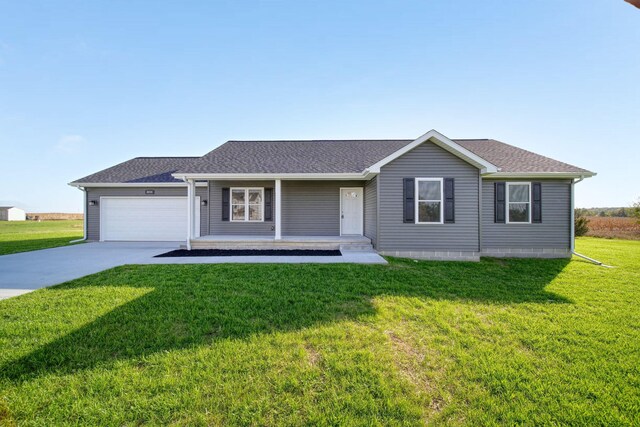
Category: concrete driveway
[27,271]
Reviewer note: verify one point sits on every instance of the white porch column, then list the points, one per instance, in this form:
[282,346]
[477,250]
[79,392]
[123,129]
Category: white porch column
[190,211]
[278,209]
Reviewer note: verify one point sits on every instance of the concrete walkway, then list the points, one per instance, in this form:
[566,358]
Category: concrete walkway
[27,271]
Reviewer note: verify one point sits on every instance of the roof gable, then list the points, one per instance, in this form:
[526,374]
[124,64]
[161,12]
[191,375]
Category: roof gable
[443,142]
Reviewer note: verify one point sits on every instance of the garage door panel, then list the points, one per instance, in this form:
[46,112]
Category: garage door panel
[145,218]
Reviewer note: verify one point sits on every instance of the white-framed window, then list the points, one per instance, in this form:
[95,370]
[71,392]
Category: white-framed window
[518,202]
[247,204]
[429,201]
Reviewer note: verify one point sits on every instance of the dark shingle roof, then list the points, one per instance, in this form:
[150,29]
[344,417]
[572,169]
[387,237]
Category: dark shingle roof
[335,156]
[344,156]
[513,159]
[321,156]
[140,170]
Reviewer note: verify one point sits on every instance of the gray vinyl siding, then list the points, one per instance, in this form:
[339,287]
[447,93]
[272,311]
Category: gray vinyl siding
[371,210]
[554,231]
[428,161]
[312,208]
[219,227]
[93,212]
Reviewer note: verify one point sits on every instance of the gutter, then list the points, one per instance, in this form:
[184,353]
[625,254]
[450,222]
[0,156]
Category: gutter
[573,227]
[84,217]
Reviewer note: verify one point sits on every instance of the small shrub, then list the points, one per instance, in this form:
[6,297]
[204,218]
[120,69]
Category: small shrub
[581,224]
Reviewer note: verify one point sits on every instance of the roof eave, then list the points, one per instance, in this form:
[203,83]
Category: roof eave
[128,184]
[584,174]
[270,176]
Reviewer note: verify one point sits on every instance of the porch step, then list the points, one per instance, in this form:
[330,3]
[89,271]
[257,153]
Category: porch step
[356,247]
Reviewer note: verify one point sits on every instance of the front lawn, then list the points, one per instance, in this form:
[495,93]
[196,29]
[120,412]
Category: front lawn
[497,342]
[22,236]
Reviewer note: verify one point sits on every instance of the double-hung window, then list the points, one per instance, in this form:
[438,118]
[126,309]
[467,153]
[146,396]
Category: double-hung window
[519,202]
[247,204]
[429,205]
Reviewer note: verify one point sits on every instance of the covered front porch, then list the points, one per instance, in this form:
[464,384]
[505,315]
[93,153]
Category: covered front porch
[281,214]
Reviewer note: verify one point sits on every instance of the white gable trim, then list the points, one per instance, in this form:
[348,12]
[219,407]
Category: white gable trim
[443,142]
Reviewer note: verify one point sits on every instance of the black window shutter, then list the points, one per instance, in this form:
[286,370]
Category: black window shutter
[536,206]
[408,200]
[268,211]
[225,204]
[449,202]
[500,202]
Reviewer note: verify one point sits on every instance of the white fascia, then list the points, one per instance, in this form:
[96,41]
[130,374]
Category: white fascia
[134,184]
[534,175]
[443,142]
[270,176]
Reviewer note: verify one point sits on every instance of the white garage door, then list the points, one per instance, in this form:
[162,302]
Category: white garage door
[159,219]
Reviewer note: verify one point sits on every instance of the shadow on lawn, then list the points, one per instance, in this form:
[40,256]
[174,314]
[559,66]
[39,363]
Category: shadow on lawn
[193,305]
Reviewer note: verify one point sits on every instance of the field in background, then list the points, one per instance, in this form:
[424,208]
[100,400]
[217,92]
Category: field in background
[26,236]
[53,216]
[614,228]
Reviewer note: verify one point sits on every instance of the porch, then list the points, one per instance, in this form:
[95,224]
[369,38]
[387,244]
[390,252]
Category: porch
[347,243]
[282,214]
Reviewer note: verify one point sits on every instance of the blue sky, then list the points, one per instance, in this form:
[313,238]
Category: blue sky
[85,85]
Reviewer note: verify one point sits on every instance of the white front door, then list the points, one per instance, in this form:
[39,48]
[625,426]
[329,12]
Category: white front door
[351,209]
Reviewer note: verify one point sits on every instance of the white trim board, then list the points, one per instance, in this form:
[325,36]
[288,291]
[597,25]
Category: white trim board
[134,184]
[534,175]
[273,176]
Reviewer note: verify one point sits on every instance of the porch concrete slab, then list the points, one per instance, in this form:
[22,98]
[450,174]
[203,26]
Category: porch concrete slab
[321,239]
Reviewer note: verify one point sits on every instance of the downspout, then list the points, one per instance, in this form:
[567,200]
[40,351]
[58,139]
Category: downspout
[480,183]
[573,227]
[189,213]
[573,213]
[84,217]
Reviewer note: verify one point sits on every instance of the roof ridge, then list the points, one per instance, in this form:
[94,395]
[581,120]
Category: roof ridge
[318,140]
[166,157]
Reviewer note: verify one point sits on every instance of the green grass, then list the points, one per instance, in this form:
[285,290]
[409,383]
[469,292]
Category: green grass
[530,342]
[30,236]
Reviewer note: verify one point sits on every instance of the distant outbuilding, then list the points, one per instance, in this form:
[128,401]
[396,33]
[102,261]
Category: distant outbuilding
[11,213]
